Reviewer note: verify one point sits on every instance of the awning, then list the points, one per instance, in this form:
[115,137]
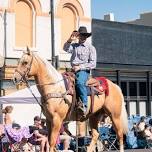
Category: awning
[1,61]
[23,96]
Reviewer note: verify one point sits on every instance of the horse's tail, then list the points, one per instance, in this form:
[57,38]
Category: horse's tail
[124,116]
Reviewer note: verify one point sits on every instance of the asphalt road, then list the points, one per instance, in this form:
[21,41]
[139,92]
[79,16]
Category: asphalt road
[134,150]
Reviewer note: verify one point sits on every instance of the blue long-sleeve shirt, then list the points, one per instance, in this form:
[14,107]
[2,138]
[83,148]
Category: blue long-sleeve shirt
[83,55]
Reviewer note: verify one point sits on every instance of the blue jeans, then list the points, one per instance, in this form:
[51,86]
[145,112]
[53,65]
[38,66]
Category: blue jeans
[81,79]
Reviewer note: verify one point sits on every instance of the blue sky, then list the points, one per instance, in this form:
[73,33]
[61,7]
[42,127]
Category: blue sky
[124,10]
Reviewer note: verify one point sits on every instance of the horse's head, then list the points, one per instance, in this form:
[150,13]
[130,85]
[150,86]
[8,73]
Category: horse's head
[24,67]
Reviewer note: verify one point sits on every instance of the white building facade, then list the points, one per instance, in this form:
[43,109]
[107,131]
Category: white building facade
[28,23]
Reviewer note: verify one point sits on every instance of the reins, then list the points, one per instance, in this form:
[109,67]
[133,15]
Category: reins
[49,95]
[28,86]
[24,78]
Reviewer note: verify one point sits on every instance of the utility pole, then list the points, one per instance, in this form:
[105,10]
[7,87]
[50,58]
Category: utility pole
[3,62]
[52,33]
[5,44]
[2,58]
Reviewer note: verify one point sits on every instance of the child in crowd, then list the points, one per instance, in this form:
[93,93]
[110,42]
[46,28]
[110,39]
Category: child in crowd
[40,134]
[64,138]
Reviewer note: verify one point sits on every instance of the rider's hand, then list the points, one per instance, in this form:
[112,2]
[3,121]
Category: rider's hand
[73,36]
[76,68]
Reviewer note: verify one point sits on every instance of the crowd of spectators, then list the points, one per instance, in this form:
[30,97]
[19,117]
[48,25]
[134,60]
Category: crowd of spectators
[13,133]
[140,133]
[141,128]
[37,133]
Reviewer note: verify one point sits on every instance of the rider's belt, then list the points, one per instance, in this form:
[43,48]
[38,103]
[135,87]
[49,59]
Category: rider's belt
[88,71]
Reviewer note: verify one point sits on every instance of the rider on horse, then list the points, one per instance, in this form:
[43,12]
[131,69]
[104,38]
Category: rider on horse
[83,60]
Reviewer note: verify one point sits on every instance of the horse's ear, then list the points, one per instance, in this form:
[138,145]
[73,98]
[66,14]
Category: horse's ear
[28,51]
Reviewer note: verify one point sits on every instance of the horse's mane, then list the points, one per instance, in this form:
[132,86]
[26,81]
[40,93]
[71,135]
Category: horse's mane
[57,77]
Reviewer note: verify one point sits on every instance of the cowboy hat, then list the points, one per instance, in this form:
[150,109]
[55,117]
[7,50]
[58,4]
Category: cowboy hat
[83,31]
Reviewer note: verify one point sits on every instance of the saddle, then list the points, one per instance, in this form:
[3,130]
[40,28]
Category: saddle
[95,86]
[99,84]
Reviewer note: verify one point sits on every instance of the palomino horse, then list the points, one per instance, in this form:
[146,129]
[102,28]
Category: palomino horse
[50,81]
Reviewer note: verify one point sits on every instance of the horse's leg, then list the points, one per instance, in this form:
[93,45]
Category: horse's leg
[48,124]
[54,129]
[119,131]
[93,121]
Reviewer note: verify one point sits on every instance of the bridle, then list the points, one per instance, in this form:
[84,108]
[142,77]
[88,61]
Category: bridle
[24,74]
[24,79]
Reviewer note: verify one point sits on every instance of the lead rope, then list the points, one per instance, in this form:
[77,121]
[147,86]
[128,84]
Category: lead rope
[28,86]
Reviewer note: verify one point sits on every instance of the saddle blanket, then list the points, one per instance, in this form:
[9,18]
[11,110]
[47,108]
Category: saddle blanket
[101,88]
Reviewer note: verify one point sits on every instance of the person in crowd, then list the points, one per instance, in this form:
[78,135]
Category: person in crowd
[40,135]
[83,60]
[65,137]
[141,124]
[37,122]
[13,132]
[7,120]
[147,132]
[134,129]
[107,121]
[7,111]
[150,122]
[43,123]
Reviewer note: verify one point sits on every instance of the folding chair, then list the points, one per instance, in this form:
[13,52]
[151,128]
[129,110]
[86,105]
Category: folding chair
[8,146]
[141,140]
[5,146]
[113,139]
[107,139]
[131,140]
[136,118]
[35,143]
[149,144]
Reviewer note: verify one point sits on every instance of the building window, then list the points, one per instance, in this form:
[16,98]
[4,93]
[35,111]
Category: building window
[142,108]
[142,89]
[133,109]
[23,24]
[68,24]
[133,88]
[124,88]
[151,88]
